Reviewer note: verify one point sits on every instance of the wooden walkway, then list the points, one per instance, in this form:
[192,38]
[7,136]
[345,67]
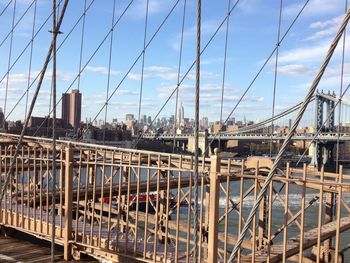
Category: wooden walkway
[15,249]
[310,239]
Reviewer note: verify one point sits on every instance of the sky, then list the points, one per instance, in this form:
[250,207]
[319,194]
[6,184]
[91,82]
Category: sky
[251,37]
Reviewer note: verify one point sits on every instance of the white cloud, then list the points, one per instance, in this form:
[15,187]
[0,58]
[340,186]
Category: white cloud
[326,28]
[295,69]
[307,53]
[135,76]
[160,69]
[102,70]
[314,8]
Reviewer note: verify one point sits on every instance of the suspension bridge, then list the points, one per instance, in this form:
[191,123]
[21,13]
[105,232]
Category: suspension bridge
[118,204]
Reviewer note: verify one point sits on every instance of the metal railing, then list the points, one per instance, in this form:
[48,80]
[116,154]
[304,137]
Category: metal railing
[117,203]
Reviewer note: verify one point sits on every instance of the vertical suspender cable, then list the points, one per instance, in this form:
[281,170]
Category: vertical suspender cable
[9,60]
[35,96]
[289,135]
[81,55]
[82,44]
[143,60]
[275,77]
[224,71]
[196,131]
[109,73]
[30,59]
[53,209]
[340,93]
[179,72]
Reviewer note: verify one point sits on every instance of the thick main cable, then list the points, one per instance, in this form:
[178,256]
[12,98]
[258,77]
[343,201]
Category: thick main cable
[196,131]
[289,135]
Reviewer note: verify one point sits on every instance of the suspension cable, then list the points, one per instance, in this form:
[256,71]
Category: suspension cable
[26,47]
[187,72]
[289,136]
[91,57]
[178,72]
[9,61]
[58,48]
[143,61]
[340,92]
[196,131]
[5,8]
[138,57]
[224,70]
[250,85]
[262,67]
[30,58]
[35,96]
[16,24]
[82,43]
[109,74]
[54,38]
[275,76]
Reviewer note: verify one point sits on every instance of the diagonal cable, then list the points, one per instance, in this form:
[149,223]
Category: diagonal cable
[289,135]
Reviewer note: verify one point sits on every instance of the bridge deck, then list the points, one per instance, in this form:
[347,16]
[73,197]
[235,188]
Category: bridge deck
[310,239]
[16,249]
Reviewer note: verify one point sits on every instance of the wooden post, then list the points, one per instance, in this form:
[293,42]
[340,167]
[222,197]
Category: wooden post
[68,203]
[214,207]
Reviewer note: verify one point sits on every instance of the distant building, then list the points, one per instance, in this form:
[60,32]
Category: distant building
[181,116]
[36,122]
[1,118]
[129,117]
[71,109]
[204,123]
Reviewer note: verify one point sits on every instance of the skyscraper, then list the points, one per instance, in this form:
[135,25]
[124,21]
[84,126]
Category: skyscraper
[181,116]
[71,109]
[1,118]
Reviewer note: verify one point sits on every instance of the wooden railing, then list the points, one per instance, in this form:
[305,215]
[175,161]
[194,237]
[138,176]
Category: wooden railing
[128,204]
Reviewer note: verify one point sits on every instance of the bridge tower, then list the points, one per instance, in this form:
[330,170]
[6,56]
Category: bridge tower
[323,151]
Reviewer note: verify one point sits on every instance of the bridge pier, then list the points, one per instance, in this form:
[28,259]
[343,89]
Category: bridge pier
[202,144]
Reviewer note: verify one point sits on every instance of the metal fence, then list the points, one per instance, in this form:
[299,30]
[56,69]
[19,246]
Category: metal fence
[128,204]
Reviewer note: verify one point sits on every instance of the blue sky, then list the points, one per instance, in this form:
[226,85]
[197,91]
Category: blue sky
[251,38]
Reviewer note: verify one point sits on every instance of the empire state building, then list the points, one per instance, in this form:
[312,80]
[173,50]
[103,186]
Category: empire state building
[181,116]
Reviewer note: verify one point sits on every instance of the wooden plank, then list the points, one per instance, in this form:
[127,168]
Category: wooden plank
[310,239]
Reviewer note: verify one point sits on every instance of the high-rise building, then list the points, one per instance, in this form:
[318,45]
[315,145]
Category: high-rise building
[71,109]
[1,118]
[181,116]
